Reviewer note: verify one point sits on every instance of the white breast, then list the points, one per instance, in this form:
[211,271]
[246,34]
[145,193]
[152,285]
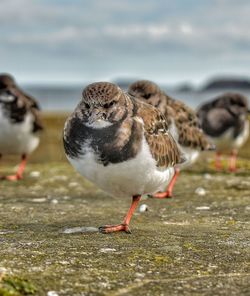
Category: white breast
[191,156]
[243,136]
[134,176]
[17,138]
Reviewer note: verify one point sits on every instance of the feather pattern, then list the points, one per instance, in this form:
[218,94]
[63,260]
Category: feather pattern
[161,143]
[189,133]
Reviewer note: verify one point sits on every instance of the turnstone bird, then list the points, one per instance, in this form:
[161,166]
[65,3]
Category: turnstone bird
[182,121]
[121,144]
[225,121]
[19,123]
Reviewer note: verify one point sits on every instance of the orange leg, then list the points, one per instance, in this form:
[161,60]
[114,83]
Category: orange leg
[123,226]
[218,164]
[232,161]
[19,173]
[168,193]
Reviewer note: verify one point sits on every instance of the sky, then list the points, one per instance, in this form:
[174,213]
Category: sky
[167,41]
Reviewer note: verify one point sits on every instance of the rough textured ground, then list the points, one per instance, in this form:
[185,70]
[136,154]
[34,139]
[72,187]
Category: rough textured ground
[189,245]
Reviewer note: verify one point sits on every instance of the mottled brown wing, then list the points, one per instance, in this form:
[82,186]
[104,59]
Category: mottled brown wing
[34,107]
[187,123]
[161,143]
[193,137]
[184,114]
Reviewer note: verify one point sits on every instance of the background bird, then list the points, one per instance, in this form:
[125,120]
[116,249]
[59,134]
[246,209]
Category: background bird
[19,123]
[225,121]
[181,119]
[121,144]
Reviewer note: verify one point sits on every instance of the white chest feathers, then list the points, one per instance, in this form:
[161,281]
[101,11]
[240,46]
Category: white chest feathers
[138,175]
[17,138]
[191,156]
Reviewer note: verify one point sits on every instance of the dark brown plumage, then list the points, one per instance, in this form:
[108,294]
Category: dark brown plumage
[226,111]
[224,120]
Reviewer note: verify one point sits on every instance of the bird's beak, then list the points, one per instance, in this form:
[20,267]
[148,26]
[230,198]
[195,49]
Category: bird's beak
[95,116]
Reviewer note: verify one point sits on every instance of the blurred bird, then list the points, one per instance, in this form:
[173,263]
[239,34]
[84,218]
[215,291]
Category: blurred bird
[182,121]
[225,121]
[19,123]
[121,144]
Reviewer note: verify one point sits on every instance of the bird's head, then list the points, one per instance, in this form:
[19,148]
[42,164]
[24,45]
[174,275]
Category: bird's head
[102,104]
[6,81]
[147,91]
[236,103]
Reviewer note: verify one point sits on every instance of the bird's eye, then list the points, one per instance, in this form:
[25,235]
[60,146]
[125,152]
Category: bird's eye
[147,96]
[87,105]
[107,105]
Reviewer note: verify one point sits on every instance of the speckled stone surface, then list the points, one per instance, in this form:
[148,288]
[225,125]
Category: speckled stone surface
[192,244]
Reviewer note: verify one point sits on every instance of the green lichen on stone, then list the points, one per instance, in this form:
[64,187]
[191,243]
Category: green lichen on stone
[186,245]
[16,286]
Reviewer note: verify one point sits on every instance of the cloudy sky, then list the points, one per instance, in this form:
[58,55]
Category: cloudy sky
[167,41]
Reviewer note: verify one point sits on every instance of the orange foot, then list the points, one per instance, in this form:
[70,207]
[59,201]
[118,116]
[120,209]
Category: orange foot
[232,169]
[11,177]
[114,228]
[161,195]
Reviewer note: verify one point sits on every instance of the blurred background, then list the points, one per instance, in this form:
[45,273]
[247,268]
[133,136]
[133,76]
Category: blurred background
[193,49]
[196,243]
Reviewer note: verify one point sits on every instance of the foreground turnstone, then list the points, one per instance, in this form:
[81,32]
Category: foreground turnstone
[225,121]
[182,121]
[121,144]
[19,123]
